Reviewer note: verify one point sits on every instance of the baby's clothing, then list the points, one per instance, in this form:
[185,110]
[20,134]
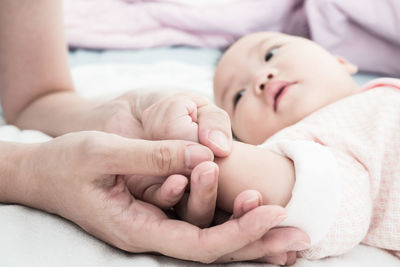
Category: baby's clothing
[347,163]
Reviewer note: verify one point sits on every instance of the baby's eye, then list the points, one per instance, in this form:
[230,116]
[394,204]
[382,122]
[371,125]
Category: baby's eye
[270,53]
[237,97]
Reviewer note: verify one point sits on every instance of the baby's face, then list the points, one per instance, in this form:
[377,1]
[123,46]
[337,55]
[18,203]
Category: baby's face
[267,81]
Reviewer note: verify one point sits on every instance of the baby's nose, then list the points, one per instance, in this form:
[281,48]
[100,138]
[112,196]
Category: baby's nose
[261,82]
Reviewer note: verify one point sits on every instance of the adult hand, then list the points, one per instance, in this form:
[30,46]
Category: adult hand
[157,116]
[279,244]
[196,207]
[160,116]
[83,177]
[190,117]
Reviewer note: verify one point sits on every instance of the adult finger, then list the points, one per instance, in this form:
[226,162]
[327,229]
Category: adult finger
[279,259]
[199,207]
[276,242]
[291,258]
[214,126]
[246,201]
[207,245]
[161,192]
[120,155]
[287,259]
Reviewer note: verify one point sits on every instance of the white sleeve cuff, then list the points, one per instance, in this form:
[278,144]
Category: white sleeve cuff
[316,193]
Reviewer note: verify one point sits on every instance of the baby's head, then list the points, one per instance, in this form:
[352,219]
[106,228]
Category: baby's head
[267,81]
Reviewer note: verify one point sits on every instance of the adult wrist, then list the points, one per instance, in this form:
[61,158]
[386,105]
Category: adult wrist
[57,113]
[16,186]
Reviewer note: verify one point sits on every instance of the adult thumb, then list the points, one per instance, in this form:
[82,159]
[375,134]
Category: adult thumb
[159,158]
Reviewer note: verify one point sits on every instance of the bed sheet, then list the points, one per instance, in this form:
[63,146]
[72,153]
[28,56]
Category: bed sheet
[33,238]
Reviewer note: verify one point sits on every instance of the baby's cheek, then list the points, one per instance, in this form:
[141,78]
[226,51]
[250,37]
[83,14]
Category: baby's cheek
[249,132]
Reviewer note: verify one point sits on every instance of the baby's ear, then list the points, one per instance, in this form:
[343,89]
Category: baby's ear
[347,65]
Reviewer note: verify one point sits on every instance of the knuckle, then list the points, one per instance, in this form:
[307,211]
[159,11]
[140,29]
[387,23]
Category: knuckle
[116,112]
[162,158]
[207,254]
[179,95]
[204,100]
[220,116]
[269,249]
[88,143]
[208,259]
[146,115]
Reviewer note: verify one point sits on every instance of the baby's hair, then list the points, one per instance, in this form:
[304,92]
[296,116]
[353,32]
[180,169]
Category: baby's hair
[223,50]
[234,136]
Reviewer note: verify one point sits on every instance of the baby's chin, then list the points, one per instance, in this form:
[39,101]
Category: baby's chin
[252,140]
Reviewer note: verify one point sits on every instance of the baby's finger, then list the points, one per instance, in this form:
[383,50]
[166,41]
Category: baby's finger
[215,129]
[173,118]
[214,126]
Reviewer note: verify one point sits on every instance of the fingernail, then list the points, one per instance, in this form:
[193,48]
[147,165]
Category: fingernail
[299,245]
[278,220]
[250,204]
[207,178]
[178,190]
[219,139]
[196,154]
[281,259]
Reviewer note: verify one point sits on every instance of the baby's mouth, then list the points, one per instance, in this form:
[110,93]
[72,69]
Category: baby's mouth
[276,90]
[277,96]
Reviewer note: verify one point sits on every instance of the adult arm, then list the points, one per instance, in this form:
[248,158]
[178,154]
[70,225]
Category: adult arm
[37,90]
[36,86]
[91,168]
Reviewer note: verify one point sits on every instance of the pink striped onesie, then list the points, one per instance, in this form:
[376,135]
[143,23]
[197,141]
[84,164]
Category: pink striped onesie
[347,163]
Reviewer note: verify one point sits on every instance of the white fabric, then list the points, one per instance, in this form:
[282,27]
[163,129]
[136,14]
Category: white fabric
[316,166]
[33,238]
[361,132]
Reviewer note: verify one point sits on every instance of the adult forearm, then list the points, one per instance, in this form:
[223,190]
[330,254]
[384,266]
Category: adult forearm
[58,113]
[252,167]
[33,54]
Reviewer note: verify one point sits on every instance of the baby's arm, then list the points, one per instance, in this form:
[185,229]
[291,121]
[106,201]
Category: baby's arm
[253,167]
[326,195]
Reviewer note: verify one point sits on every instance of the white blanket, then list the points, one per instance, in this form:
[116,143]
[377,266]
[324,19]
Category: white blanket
[30,237]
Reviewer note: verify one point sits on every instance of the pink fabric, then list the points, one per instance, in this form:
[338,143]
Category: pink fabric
[365,32]
[143,24]
[363,134]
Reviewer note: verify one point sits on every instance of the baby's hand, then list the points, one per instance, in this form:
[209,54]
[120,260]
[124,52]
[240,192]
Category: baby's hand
[173,117]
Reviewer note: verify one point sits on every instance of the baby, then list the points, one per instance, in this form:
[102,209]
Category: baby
[311,140]
[327,149]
